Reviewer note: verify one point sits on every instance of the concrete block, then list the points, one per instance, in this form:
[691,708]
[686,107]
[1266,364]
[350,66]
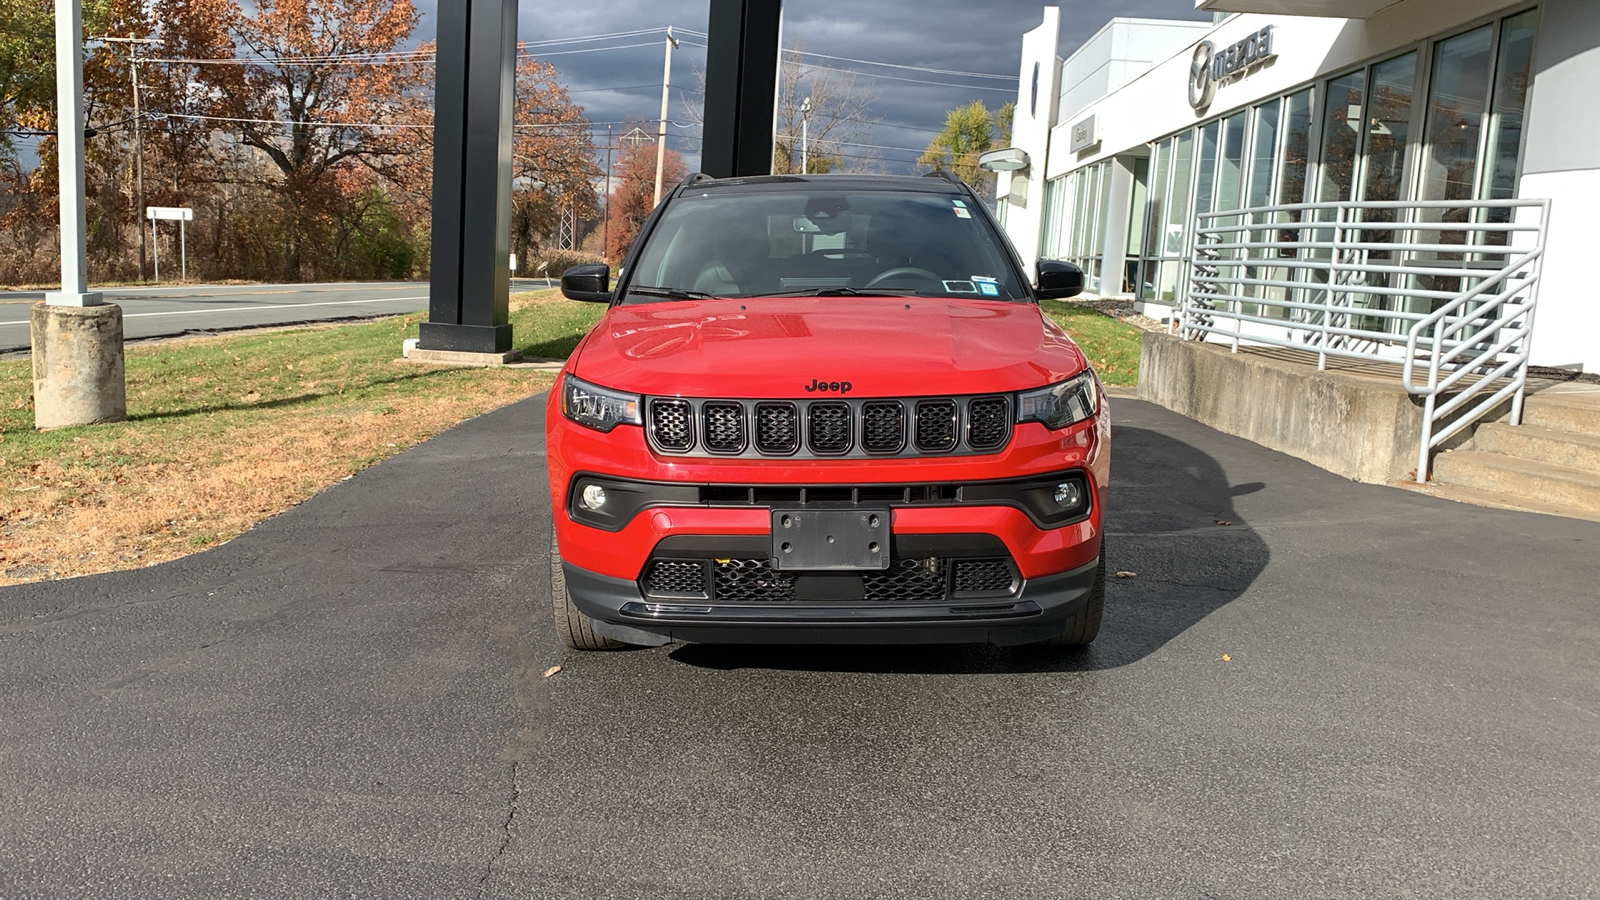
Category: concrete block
[77,365]
[459,357]
[1363,427]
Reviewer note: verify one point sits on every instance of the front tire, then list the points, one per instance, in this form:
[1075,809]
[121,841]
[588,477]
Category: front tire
[575,629]
[1086,624]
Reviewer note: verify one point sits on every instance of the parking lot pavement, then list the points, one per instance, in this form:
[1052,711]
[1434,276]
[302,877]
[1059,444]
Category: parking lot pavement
[1305,687]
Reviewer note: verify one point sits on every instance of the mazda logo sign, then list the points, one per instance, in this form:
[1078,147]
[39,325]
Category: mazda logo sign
[1202,89]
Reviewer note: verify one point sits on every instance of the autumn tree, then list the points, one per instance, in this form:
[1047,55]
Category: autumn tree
[311,85]
[840,117]
[969,132]
[554,168]
[633,181]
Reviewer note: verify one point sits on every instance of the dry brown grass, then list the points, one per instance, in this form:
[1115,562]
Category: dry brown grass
[225,432]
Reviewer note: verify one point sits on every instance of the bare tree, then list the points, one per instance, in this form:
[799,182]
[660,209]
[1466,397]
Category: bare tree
[839,121]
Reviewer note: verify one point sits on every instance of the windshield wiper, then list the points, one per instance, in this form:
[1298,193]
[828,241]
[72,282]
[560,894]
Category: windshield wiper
[842,292]
[670,293]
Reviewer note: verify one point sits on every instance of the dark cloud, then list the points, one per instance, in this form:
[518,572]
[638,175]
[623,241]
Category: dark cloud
[965,35]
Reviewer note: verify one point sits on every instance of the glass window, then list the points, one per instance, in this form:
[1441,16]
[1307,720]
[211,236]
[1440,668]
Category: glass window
[1296,148]
[1178,199]
[1230,165]
[1512,80]
[1264,157]
[1457,100]
[1160,160]
[1206,175]
[1388,128]
[1341,136]
[722,242]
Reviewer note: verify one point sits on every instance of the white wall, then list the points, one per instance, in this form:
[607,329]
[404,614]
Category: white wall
[1118,53]
[1030,132]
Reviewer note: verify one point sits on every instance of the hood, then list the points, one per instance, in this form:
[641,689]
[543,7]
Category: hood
[778,347]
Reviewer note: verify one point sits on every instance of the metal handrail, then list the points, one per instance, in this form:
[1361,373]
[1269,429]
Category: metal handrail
[1326,280]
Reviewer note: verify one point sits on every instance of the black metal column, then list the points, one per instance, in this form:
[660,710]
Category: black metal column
[741,87]
[472,138]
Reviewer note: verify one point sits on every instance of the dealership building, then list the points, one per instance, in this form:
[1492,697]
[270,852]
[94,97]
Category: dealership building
[1477,118]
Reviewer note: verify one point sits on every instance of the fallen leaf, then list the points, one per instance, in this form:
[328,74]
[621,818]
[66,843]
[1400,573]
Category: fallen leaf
[1127,574]
[1222,521]
[551,671]
[1225,658]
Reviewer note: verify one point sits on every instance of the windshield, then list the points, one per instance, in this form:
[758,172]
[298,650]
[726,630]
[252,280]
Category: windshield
[822,243]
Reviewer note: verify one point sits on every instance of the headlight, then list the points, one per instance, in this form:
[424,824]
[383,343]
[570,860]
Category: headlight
[1060,405]
[597,407]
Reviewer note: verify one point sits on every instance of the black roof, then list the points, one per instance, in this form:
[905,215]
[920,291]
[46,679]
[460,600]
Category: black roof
[923,184]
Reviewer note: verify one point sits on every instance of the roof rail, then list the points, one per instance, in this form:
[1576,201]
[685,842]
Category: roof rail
[696,178]
[947,176]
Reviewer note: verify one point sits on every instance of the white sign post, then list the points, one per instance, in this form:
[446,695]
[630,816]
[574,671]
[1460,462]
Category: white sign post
[179,214]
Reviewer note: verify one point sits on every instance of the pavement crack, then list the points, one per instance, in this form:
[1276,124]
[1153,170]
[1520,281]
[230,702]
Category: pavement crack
[505,827]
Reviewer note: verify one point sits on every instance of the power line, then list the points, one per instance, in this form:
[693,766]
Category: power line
[964,87]
[869,62]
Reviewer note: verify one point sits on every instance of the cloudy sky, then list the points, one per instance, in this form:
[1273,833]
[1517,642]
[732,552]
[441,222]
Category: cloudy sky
[980,36]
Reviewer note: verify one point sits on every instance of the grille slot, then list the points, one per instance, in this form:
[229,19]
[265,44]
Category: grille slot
[672,424]
[983,576]
[908,581]
[777,428]
[988,422]
[752,581]
[724,426]
[936,425]
[883,427]
[828,428]
[676,578]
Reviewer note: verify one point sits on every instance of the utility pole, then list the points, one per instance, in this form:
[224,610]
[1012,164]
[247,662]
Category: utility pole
[805,137]
[661,142]
[138,140]
[605,226]
[76,338]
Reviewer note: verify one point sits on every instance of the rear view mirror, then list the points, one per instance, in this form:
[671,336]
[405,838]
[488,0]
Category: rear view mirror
[590,283]
[1059,280]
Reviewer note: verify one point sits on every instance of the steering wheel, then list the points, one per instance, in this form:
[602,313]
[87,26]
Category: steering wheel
[898,271]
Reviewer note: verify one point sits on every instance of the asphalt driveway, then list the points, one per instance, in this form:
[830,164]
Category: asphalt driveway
[1310,688]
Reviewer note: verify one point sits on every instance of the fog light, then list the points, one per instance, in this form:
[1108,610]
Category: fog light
[1069,495]
[594,497]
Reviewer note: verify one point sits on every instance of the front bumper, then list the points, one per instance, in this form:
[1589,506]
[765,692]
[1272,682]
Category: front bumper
[1041,609]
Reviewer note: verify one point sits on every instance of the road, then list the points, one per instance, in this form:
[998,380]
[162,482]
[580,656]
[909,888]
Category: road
[1308,688]
[149,312]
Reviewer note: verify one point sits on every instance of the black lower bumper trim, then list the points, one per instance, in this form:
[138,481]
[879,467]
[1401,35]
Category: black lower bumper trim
[1042,609]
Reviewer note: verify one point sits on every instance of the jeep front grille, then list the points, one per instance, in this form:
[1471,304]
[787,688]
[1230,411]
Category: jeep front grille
[828,428]
[777,428]
[724,423]
[936,426]
[821,429]
[671,425]
[910,580]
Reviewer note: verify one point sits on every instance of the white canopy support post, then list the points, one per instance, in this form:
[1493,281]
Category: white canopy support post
[75,339]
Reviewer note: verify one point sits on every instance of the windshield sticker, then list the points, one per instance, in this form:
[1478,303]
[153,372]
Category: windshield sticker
[960,203]
[960,287]
[982,278]
[963,213]
[988,289]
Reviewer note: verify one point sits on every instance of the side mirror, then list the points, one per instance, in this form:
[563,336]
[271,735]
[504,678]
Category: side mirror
[591,283]
[1057,280]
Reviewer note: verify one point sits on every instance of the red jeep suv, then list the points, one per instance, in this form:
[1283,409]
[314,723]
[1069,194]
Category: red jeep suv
[826,409]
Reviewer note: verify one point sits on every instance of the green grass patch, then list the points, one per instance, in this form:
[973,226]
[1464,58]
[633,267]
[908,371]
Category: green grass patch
[1111,345]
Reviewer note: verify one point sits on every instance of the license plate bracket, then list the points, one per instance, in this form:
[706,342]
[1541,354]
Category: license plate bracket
[830,540]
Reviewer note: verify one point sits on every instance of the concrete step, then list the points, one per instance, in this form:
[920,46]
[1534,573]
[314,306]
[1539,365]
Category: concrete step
[1559,448]
[1495,500]
[1520,479]
[1577,411]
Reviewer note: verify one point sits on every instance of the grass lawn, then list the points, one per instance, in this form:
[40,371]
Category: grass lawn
[224,432]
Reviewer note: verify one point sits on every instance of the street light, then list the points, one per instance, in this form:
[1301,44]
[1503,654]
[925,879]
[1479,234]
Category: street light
[805,137]
[661,144]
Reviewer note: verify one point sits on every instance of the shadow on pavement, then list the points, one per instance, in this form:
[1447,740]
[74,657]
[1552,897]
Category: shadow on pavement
[1171,524]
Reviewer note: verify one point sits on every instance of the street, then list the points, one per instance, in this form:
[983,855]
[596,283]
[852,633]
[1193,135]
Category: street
[1305,687]
[149,312]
